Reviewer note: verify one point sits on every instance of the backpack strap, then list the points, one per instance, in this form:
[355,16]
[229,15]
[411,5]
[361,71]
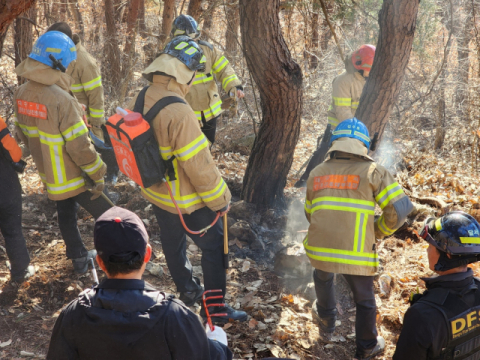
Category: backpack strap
[140,102]
[159,105]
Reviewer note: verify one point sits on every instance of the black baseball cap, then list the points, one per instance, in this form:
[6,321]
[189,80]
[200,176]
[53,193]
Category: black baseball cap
[119,232]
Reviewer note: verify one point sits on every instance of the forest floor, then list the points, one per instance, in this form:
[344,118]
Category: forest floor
[278,302]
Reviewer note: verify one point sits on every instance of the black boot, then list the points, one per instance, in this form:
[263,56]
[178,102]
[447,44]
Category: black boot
[230,312]
[191,297]
[371,353]
[326,325]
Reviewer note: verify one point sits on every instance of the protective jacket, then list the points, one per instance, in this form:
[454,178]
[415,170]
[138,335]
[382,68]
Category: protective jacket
[340,206]
[203,96]
[346,92]
[443,322]
[87,84]
[178,133]
[49,122]
[8,143]
[129,319]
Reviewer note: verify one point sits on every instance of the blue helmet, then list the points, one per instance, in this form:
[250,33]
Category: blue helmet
[185,25]
[351,128]
[188,52]
[57,45]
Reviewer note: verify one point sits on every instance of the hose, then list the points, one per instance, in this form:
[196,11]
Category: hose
[201,231]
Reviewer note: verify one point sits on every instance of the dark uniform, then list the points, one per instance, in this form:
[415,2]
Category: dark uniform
[128,319]
[443,322]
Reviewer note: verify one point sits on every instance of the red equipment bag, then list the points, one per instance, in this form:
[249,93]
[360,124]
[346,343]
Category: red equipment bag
[133,141]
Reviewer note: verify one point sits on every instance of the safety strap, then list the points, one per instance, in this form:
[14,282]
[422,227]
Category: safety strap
[468,347]
[150,115]
[4,133]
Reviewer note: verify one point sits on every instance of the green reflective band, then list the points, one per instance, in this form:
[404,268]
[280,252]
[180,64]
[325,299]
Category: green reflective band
[203,59]
[342,101]
[360,135]
[181,46]
[28,131]
[92,84]
[214,194]
[179,32]
[342,132]
[192,149]
[75,131]
[354,104]
[438,224]
[96,113]
[220,64]
[470,240]
[360,230]
[76,87]
[92,168]
[388,194]
[343,204]
[191,51]
[332,121]
[54,50]
[340,256]
[71,185]
[201,78]
[228,80]
[383,227]
[213,111]
[308,206]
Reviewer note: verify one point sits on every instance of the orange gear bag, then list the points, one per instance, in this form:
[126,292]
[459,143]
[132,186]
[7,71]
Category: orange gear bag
[11,149]
[133,141]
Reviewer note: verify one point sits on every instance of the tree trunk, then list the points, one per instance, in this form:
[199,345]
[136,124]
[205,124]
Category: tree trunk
[279,80]
[112,59]
[397,20]
[10,9]
[463,42]
[23,37]
[233,22]
[314,40]
[2,39]
[77,15]
[194,8]
[327,33]
[167,20]
[141,19]
[208,18]
[129,48]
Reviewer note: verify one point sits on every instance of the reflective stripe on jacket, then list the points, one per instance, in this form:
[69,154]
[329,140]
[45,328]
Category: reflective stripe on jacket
[198,182]
[340,206]
[203,95]
[49,122]
[87,84]
[346,91]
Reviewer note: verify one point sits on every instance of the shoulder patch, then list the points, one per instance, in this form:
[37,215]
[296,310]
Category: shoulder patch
[32,109]
[340,182]
[201,42]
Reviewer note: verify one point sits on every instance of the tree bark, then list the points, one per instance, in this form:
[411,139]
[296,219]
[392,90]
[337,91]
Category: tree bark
[208,18]
[78,17]
[112,51]
[397,20]
[23,37]
[463,42]
[233,23]
[279,80]
[9,10]
[2,39]
[167,19]
[141,19]
[129,48]
[314,41]
[194,8]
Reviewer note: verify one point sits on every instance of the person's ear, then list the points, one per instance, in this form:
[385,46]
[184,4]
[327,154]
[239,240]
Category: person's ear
[101,264]
[148,254]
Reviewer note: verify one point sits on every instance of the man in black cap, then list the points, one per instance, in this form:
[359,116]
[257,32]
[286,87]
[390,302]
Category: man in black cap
[124,317]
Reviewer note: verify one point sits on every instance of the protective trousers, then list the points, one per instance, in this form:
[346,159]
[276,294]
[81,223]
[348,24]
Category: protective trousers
[364,297]
[11,218]
[174,244]
[67,220]
[209,128]
[108,157]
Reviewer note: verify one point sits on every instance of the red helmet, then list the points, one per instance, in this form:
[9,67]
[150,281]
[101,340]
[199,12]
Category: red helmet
[362,59]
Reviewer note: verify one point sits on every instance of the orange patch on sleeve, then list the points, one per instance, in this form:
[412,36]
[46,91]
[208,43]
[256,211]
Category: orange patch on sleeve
[341,182]
[32,109]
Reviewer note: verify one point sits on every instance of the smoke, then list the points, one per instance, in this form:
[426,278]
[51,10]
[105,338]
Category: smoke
[296,220]
[387,154]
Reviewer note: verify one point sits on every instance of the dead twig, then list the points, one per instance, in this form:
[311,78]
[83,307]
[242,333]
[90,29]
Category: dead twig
[324,9]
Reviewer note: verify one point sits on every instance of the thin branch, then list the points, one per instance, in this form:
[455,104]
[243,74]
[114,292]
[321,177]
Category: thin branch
[363,10]
[324,9]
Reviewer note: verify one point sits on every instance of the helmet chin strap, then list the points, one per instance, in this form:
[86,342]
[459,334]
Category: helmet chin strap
[445,263]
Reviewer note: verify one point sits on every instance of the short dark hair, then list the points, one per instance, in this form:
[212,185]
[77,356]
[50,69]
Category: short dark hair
[62,27]
[123,263]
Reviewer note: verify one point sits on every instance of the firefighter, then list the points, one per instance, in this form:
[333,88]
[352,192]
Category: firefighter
[11,206]
[346,92]
[204,97]
[124,317]
[198,189]
[49,123]
[340,206]
[88,89]
[443,322]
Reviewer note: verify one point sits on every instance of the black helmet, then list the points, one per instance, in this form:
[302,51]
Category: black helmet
[456,233]
[185,25]
[188,52]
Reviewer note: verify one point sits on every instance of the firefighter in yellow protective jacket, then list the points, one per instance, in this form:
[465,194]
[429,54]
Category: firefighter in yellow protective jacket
[88,89]
[340,206]
[204,97]
[348,86]
[49,122]
[199,189]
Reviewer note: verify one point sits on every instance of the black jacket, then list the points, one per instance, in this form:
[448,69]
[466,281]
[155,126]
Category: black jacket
[129,319]
[425,332]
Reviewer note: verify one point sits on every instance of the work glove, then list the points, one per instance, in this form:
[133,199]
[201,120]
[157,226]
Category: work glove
[224,210]
[218,334]
[98,132]
[96,189]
